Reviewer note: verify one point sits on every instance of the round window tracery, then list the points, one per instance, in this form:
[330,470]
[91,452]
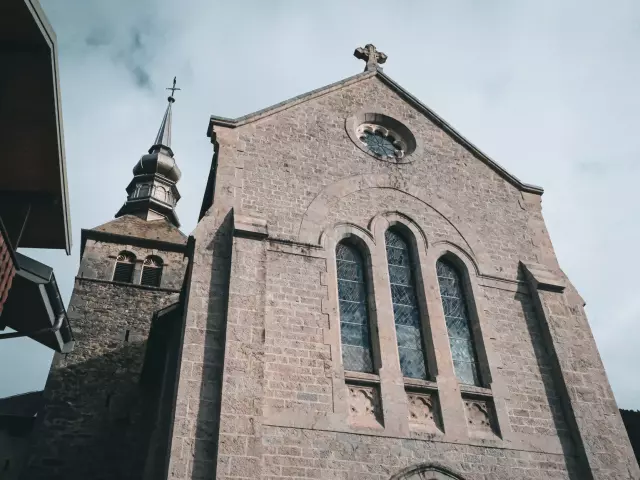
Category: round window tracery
[383,137]
[380,141]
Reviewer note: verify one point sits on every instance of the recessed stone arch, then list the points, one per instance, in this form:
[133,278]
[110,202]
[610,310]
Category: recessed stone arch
[313,220]
[426,471]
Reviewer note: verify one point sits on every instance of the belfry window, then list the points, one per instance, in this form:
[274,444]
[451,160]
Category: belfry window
[151,271]
[355,329]
[125,262]
[456,314]
[405,307]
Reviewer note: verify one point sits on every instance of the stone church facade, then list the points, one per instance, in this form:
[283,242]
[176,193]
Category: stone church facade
[365,296]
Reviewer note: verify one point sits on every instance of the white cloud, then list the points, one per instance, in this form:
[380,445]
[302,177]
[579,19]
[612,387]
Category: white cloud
[549,89]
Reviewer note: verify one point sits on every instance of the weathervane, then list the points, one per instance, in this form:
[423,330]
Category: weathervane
[173,90]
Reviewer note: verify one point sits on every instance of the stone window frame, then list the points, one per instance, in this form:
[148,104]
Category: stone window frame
[131,260]
[457,395]
[418,247]
[161,266]
[344,380]
[393,388]
[413,146]
[140,254]
[464,270]
[483,375]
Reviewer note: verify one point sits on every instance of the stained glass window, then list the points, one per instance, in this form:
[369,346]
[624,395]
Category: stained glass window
[354,314]
[458,325]
[379,144]
[405,307]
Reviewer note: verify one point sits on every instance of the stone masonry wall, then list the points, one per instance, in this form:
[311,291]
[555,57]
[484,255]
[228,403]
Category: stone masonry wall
[286,407]
[289,158]
[98,418]
[296,356]
[100,258]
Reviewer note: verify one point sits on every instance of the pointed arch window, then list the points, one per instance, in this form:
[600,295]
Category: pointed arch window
[355,329]
[456,314]
[125,263]
[405,306]
[151,271]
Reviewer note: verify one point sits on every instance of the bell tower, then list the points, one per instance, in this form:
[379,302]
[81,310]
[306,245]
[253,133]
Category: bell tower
[107,402]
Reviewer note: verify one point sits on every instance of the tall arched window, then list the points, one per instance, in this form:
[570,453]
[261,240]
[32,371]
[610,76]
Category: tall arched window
[456,314]
[354,314]
[125,262]
[151,271]
[405,307]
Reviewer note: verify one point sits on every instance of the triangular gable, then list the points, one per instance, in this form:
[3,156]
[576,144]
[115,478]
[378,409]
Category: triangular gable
[408,97]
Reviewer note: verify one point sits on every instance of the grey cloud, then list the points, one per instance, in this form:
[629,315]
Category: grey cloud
[99,37]
[136,56]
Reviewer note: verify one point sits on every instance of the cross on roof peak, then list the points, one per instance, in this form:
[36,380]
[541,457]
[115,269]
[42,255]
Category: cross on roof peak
[371,55]
[173,90]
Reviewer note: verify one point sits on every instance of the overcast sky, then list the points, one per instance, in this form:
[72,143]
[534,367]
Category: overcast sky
[549,89]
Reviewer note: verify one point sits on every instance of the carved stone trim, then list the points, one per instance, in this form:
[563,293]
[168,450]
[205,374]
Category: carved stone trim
[364,406]
[424,411]
[480,417]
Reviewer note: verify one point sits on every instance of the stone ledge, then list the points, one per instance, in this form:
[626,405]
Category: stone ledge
[244,226]
[416,384]
[475,391]
[543,278]
[361,377]
[124,284]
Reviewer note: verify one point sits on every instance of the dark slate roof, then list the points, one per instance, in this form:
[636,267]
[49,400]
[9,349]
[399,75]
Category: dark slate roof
[132,226]
[408,97]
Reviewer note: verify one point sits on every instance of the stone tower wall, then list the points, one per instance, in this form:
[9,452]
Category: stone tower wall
[263,393]
[98,417]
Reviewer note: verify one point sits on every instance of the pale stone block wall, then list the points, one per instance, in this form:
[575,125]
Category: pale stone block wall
[263,393]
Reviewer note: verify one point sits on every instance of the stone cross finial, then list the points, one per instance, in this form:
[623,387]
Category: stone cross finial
[370,55]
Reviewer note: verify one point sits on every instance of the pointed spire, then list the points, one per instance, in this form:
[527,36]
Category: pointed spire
[163,138]
[152,194]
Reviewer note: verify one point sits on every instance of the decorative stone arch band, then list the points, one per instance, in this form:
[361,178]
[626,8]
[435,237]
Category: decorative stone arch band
[427,471]
[381,222]
[313,219]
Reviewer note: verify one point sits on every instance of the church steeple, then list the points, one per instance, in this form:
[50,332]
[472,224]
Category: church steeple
[163,138]
[152,194]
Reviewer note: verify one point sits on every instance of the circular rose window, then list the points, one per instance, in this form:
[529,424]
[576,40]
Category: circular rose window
[380,141]
[381,136]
